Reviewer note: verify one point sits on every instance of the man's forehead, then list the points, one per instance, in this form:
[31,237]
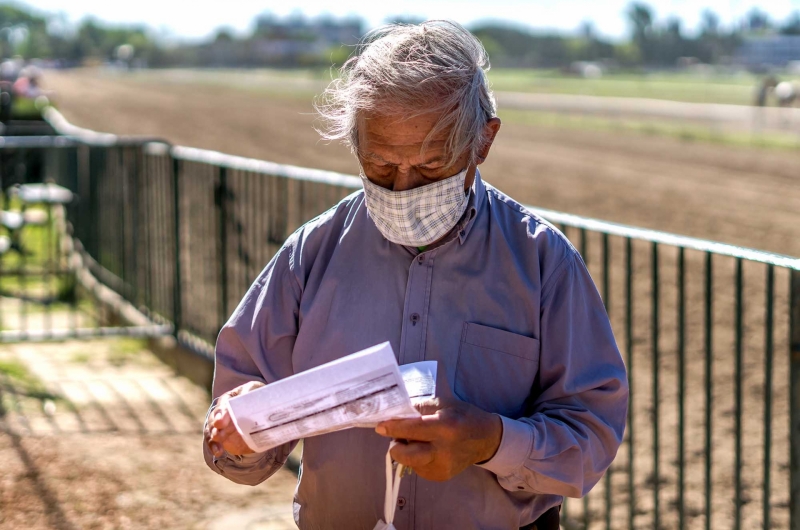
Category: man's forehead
[400,131]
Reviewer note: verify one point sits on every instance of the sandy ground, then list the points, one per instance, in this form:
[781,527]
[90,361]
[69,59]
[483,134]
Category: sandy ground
[103,435]
[739,195]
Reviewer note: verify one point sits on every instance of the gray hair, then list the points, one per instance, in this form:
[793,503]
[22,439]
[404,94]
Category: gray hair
[410,70]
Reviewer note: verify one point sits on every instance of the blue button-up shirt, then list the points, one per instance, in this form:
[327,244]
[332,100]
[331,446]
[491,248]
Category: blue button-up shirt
[505,305]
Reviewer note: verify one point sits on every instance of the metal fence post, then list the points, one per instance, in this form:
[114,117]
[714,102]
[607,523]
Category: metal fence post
[794,406]
[84,191]
[222,204]
[176,288]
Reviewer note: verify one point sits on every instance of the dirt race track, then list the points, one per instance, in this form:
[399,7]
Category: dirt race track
[739,195]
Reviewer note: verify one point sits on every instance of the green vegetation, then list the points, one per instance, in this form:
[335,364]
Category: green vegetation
[36,239]
[304,84]
[25,109]
[118,351]
[33,35]
[653,42]
[23,382]
[731,89]
[81,357]
[15,370]
[39,244]
[681,131]
[297,41]
[57,289]
[123,350]
[129,345]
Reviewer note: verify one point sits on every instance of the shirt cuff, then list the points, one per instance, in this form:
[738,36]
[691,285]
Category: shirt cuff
[237,460]
[515,446]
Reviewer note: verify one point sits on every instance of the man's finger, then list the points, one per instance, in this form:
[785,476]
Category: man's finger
[221,408]
[228,440]
[219,434]
[222,402]
[413,454]
[216,449]
[252,385]
[215,446]
[424,429]
[221,419]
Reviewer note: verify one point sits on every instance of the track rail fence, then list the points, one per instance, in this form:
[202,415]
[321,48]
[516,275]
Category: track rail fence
[710,332]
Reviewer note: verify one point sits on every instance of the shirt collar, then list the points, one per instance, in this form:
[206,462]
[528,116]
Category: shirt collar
[477,196]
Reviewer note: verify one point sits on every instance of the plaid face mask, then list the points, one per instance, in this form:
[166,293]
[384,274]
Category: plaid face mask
[420,216]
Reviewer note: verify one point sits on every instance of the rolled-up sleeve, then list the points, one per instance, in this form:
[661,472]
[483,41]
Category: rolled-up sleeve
[580,398]
[256,345]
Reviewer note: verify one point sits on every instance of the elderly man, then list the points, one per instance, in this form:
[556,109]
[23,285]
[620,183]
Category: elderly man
[532,390]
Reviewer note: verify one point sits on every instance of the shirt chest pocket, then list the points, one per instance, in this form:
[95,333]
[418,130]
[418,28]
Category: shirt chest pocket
[495,369]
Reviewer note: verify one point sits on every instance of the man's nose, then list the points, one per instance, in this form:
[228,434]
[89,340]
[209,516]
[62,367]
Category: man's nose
[406,179]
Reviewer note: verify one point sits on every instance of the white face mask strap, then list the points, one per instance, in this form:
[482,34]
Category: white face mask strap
[393,478]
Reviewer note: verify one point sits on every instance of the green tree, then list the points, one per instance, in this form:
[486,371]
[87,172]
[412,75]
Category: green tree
[224,35]
[792,25]
[709,23]
[640,17]
[22,32]
[758,20]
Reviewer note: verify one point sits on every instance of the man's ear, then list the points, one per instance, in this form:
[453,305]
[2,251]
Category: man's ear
[490,131]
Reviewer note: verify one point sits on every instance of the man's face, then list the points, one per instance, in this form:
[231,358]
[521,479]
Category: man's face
[390,152]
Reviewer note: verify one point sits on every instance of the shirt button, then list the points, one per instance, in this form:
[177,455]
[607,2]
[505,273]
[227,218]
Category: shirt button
[401,501]
[421,259]
[414,318]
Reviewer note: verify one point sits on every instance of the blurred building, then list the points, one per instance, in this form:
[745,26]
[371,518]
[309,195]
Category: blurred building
[774,51]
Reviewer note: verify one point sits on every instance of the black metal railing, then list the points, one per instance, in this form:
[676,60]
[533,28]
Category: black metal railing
[704,329]
[710,332]
[41,296]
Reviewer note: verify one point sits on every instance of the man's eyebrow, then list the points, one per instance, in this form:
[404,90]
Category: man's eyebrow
[374,155]
[370,154]
[432,160]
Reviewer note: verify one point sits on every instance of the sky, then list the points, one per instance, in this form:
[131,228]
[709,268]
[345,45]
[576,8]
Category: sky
[196,19]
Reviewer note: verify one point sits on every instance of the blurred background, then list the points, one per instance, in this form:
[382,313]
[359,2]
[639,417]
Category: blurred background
[615,110]
[672,115]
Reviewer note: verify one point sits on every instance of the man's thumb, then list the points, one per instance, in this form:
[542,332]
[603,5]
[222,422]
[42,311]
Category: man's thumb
[429,406]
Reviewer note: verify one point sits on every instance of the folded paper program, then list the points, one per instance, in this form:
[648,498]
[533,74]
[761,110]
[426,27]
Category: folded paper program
[359,390]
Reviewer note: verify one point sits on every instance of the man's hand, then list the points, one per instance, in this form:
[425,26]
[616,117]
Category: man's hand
[450,437]
[220,432]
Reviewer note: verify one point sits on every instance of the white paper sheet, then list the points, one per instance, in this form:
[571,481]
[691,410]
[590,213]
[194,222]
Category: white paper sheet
[361,390]
[420,380]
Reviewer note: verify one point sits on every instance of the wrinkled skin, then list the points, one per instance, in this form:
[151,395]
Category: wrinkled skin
[220,432]
[390,151]
[450,436]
